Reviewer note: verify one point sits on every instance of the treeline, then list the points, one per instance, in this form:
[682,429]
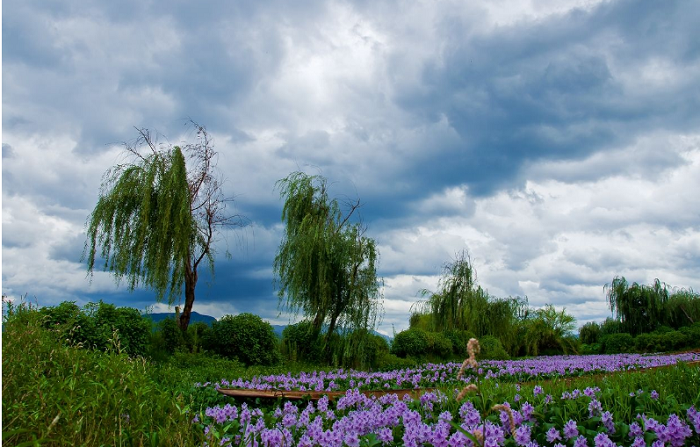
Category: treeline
[654,318]
[647,318]
[245,338]
[441,325]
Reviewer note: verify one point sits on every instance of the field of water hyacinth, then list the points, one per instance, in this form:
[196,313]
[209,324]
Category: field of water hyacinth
[628,400]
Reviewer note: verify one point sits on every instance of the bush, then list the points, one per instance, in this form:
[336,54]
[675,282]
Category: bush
[200,337]
[617,343]
[411,342]
[589,333]
[692,334]
[168,337]
[459,341]
[591,349]
[392,362]
[246,337]
[439,346]
[101,326]
[301,344]
[610,326]
[492,349]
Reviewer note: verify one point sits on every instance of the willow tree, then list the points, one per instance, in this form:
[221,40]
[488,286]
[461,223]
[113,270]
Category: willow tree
[325,266]
[549,330]
[459,303]
[157,216]
[639,308]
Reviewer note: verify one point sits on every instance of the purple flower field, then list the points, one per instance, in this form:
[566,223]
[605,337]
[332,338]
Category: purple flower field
[496,414]
[432,375]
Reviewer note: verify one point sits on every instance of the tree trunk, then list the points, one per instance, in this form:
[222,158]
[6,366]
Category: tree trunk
[190,283]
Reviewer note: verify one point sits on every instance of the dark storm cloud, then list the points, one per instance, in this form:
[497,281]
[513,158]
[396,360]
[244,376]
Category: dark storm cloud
[546,89]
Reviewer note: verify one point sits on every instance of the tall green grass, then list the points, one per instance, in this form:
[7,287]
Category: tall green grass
[55,393]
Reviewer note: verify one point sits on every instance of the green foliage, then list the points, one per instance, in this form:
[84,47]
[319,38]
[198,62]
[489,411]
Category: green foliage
[100,326]
[610,326]
[492,349]
[439,346]
[424,345]
[639,308]
[692,334]
[246,337]
[300,343]
[61,394]
[411,342]
[421,320]
[142,224]
[168,338]
[617,343]
[589,333]
[459,339]
[682,308]
[548,331]
[155,221]
[325,266]
[391,362]
[461,304]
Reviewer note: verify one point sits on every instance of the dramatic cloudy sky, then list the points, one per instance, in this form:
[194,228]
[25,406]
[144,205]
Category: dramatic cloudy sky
[557,141]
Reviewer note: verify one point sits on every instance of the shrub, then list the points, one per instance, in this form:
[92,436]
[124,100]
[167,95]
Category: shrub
[301,344]
[492,349]
[391,362]
[439,346]
[610,326]
[692,334]
[589,333]
[591,349]
[200,337]
[617,343]
[101,326]
[246,337]
[168,337]
[459,339]
[411,342]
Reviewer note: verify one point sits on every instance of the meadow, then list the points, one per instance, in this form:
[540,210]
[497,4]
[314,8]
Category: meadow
[56,392]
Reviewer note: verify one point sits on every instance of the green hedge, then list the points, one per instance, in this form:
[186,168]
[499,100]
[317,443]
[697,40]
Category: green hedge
[247,338]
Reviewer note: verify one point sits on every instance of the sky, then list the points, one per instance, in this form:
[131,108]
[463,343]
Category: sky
[556,141]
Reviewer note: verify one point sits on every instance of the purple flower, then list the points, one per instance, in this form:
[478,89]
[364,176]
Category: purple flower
[654,394]
[639,442]
[522,435]
[635,430]
[607,420]
[553,435]
[581,442]
[527,410]
[602,440]
[694,418]
[594,408]
[570,429]
[537,390]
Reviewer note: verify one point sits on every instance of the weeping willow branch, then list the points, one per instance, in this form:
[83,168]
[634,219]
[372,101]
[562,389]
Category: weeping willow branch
[156,220]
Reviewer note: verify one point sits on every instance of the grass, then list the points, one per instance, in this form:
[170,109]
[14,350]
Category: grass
[55,393]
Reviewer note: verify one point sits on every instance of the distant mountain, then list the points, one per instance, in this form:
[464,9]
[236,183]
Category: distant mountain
[194,317]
